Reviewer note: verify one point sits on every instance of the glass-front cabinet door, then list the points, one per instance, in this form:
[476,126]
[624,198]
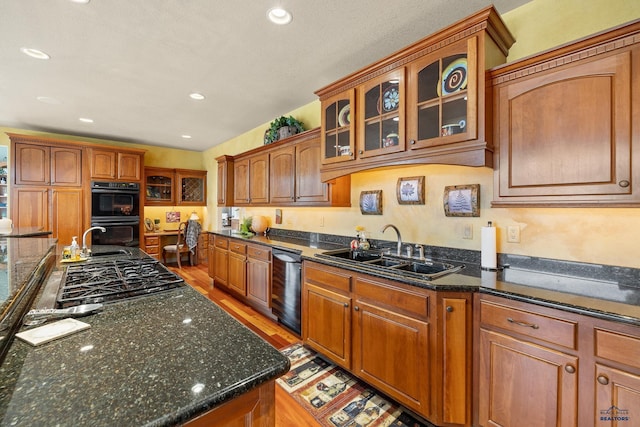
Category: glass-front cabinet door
[338,133]
[442,99]
[159,187]
[381,115]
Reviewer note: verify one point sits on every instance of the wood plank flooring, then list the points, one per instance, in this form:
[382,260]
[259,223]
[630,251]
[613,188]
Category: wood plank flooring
[288,412]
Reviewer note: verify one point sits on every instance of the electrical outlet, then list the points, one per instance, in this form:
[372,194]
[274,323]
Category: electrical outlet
[513,234]
[467,231]
[321,221]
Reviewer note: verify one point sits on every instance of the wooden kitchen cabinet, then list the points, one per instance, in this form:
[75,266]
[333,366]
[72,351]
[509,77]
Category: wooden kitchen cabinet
[237,281]
[45,165]
[251,180]
[563,124]
[159,187]
[282,168]
[152,246]
[211,267]
[411,343]
[338,127]
[259,277]
[381,115]
[225,180]
[426,103]
[221,262]
[116,164]
[326,311]
[175,187]
[391,333]
[30,207]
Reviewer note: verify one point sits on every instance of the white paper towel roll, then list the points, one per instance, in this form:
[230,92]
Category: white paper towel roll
[489,256]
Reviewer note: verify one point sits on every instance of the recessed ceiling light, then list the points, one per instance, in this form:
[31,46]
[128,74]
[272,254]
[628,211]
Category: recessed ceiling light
[85,120]
[186,136]
[279,16]
[197,96]
[34,53]
[80,1]
[48,100]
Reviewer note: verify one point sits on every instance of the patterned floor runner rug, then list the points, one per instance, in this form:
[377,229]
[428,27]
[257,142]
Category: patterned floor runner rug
[337,399]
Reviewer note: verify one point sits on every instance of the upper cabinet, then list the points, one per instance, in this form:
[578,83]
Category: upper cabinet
[424,104]
[116,164]
[47,165]
[284,173]
[175,187]
[563,124]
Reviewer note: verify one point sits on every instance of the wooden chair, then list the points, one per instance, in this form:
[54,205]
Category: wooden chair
[180,247]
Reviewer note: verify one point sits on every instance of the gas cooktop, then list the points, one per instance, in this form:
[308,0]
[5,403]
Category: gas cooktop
[110,281]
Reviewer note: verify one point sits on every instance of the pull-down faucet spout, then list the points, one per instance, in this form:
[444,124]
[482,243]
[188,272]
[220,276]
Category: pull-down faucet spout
[84,238]
[399,251]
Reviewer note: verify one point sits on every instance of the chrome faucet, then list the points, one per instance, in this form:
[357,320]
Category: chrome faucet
[420,249]
[399,251]
[85,250]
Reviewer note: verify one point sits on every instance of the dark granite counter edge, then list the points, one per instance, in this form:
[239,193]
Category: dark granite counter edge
[469,280]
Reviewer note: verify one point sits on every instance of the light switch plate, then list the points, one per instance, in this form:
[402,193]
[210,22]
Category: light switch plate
[513,234]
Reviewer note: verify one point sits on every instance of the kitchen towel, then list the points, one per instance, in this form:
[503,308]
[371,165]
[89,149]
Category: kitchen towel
[489,256]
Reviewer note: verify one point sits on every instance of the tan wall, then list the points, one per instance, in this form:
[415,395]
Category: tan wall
[607,236]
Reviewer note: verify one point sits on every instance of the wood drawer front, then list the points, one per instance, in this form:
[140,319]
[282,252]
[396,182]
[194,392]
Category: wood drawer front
[326,276]
[152,241]
[412,304]
[618,347]
[212,238]
[550,329]
[222,243]
[152,250]
[239,248]
[259,252]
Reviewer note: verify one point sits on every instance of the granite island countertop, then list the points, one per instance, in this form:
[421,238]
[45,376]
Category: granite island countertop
[606,292]
[157,360]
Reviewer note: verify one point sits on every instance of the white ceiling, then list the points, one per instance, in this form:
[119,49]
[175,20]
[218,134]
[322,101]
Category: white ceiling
[130,64]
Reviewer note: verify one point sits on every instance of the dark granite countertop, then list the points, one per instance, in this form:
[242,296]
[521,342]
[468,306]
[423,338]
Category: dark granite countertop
[606,292]
[157,360]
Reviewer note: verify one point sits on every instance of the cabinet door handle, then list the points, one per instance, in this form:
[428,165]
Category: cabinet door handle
[602,379]
[412,142]
[520,323]
[449,309]
[356,308]
[360,152]
[346,304]
[570,368]
[624,183]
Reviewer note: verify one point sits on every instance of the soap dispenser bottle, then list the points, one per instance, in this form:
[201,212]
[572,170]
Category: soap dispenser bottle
[75,249]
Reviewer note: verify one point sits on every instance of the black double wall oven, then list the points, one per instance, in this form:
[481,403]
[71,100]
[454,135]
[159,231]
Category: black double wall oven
[116,207]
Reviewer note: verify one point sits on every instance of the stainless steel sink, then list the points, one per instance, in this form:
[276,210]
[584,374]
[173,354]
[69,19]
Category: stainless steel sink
[379,261]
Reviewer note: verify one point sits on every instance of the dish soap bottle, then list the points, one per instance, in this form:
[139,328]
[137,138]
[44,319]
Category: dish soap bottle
[75,249]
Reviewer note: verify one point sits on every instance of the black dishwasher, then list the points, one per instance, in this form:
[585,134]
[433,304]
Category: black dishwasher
[285,292]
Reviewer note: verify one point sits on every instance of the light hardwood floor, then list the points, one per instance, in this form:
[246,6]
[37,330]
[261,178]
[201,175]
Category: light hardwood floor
[288,412]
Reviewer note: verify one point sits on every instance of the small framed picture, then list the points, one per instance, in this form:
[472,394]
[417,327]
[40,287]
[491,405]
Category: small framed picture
[173,216]
[462,200]
[410,190]
[371,202]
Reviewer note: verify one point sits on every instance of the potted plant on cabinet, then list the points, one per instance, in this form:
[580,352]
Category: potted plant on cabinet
[282,127]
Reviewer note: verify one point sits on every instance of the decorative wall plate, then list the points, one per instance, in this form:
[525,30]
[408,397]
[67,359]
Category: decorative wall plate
[454,77]
[344,117]
[390,99]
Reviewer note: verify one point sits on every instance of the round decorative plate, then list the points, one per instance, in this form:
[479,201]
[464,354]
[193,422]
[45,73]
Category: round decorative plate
[390,99]
[454,77]
[344,117]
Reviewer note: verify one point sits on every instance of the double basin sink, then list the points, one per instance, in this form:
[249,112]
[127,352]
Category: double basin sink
[378,260]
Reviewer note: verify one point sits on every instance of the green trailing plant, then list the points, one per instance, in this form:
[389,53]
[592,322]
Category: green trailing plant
[271,135]
[245,227]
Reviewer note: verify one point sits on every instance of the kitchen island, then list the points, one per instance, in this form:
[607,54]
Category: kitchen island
[157,360]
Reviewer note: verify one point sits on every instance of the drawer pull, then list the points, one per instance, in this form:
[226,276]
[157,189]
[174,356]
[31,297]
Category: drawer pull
[602,379]
[624,183]
[525,324]
[570,369]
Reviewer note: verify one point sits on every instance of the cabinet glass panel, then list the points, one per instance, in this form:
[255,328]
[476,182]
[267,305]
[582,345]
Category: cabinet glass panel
[337,128]
[442,97]
[159,188]
[192,190]
[382,103]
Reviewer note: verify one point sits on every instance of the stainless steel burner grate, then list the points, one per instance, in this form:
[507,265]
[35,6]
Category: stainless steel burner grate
[111,281]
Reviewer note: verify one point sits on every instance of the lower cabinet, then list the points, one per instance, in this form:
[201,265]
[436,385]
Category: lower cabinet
[540,366]
[211,261]
[242,269]
[152,246]
[255,408]
[394,337]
